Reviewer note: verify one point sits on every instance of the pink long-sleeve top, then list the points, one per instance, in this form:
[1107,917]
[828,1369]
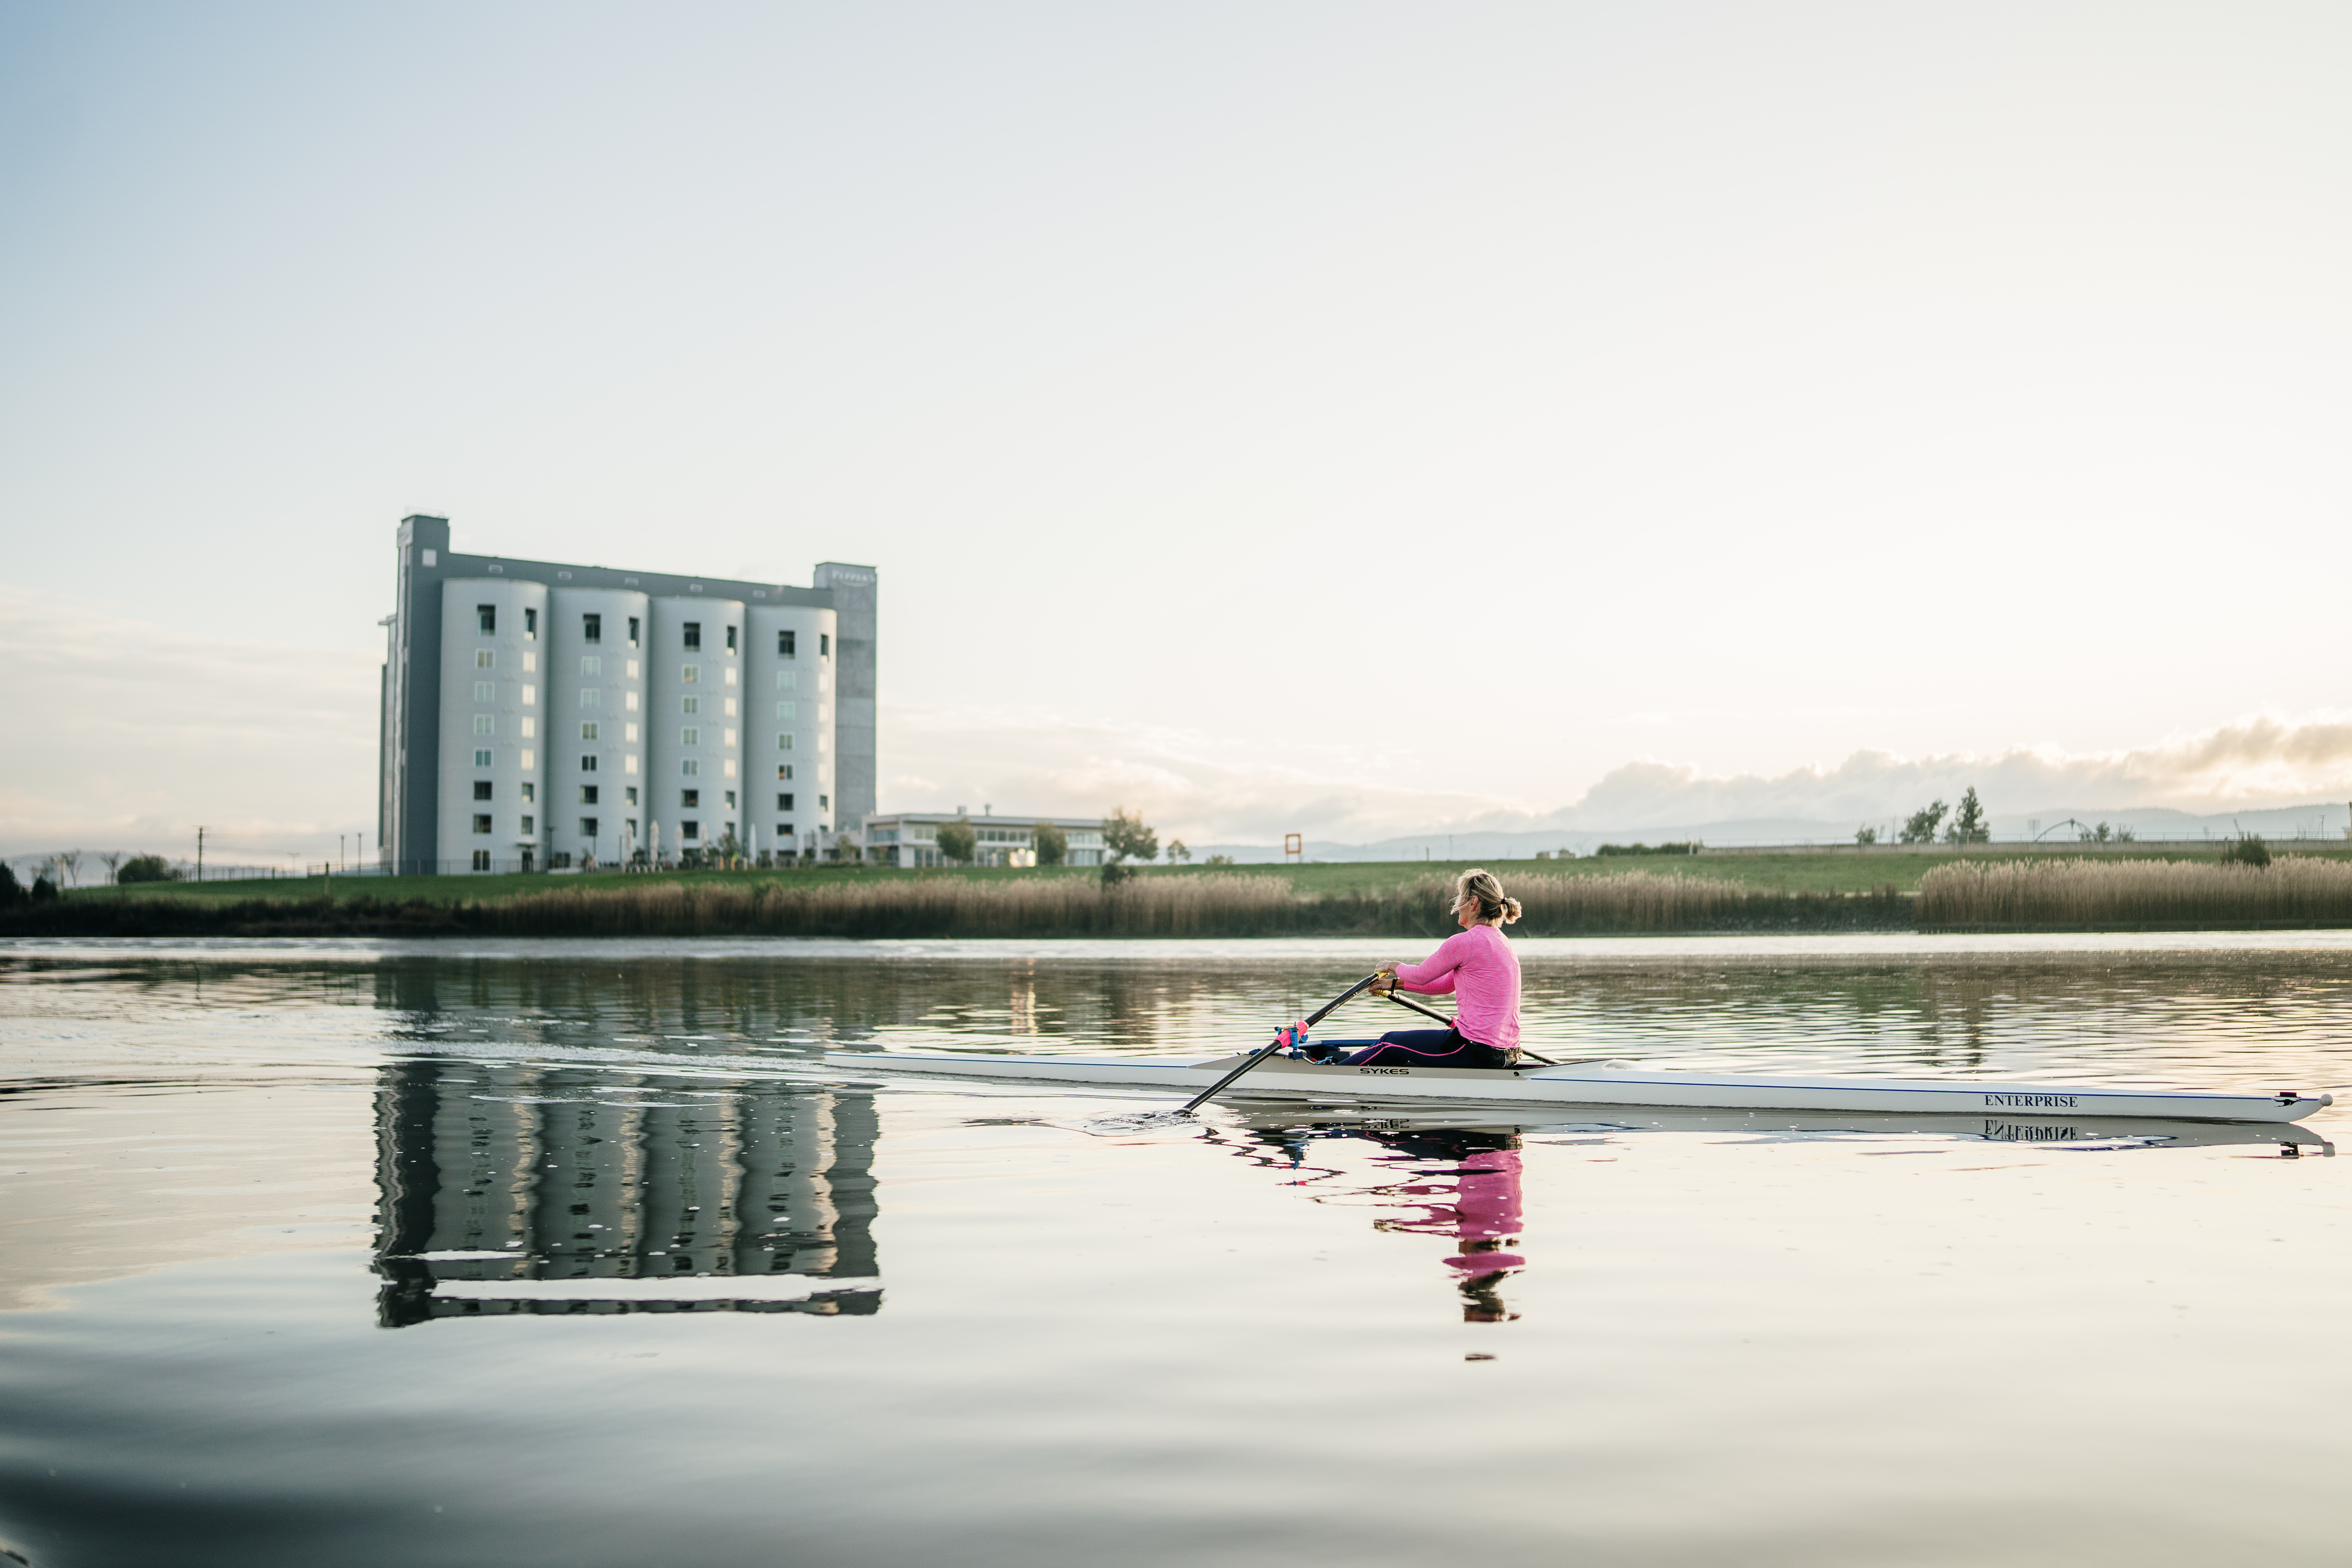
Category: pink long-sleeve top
[1479,967]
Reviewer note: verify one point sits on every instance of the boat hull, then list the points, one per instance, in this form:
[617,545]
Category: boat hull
[1583,1083]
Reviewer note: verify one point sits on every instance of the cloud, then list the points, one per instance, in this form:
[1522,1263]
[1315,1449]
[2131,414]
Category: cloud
[2253,762]
[123,735]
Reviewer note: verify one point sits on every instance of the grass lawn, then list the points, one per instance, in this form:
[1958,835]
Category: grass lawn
[1764,873]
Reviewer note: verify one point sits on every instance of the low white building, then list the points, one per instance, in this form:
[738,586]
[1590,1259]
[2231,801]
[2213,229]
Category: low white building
[912,838]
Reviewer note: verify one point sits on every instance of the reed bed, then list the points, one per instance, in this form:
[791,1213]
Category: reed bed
[1241,905]
[2291,890]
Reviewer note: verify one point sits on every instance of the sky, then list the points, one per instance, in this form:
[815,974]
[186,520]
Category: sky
[1350,419]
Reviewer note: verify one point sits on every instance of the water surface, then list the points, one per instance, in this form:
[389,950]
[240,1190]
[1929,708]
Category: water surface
[548,1252]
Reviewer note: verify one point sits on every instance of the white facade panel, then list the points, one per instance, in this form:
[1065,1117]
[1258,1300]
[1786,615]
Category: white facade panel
[694,723]
[493,724]
[789,671]
[596,719]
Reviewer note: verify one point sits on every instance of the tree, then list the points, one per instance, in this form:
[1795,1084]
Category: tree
[1865,835]
[114,859]
[1969,823]
[958,842]
[1177,852]
[43,888]
[1127,837]
[12,891]
[1218,860]
[68,864]
[2247,850]
[147,869]
[1053,844]
[1919,828]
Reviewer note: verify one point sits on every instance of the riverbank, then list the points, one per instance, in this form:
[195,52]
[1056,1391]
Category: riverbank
[1791,894]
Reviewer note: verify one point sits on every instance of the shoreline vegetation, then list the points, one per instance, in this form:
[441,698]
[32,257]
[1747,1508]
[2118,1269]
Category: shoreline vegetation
[1576,899]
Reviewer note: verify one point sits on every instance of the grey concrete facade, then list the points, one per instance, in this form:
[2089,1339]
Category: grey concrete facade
[543,716]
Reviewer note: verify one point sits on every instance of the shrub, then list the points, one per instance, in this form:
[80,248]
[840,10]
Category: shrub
[2247,849]
[1053,844]
[147,869]
[1689,849]
[958,842]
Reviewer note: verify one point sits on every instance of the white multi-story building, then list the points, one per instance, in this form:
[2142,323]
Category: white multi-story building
[539,716]
[912,838]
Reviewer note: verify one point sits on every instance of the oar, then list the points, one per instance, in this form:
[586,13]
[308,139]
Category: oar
[1272,1045]
[1433,1012]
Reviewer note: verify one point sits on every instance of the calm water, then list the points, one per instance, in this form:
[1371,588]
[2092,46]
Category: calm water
[548,1253]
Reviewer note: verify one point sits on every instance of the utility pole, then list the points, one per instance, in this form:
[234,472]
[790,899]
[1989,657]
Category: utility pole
[200,852]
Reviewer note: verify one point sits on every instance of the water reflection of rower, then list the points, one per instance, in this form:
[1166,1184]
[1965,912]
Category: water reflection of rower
[1475,1198]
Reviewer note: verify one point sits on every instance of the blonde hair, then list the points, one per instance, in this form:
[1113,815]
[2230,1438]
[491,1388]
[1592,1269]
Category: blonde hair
[1492,900]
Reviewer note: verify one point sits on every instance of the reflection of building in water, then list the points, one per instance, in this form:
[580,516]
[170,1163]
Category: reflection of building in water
[596,1191]
[1465,1180]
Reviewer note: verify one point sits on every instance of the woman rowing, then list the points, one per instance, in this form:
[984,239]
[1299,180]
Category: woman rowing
[1483,973]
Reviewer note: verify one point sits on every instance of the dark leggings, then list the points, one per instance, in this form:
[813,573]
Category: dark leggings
[1430,1048]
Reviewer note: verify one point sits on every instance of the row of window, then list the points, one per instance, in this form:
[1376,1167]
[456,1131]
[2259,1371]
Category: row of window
[589,764]
[591,668]
[592,629]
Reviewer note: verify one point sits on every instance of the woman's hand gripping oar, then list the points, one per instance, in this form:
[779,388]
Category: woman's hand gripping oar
[1276,1044]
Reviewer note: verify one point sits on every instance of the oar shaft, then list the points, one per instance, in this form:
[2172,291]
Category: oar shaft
[1312,1019]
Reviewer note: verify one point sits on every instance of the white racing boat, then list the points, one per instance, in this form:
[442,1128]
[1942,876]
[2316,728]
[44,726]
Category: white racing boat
[1598,1083]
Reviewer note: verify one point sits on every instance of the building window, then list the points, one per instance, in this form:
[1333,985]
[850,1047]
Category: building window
[486,658]
[633,670]
[481,789]
[730,800]
[530,790]
[587,795]
[689,798]
[630,826]
[531,727]
[530,759]
[824,741]
[487,617]
[689,768]
[628,701]
[688,674]
[587,827]
[784,646]
[690,704]
[481,822]
[629,764]
[629,797]
[730,677]
[825,645]
[629,734]
[823,680]
[784,741]
[485,692]
[481,859]
[788,710]
[632,639]
[486,723]
[731,639]
[730,705]
[689,737]
[530,696]
[481,759]
[825,803]
[527,827]
[531,623]
[588,730]
[588,763]
[728,767]
[729,741]
[783,830]
[693,630]
[591,665]
[784,771]
[592,629]
[788,680]
[689,830]
[784,801]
